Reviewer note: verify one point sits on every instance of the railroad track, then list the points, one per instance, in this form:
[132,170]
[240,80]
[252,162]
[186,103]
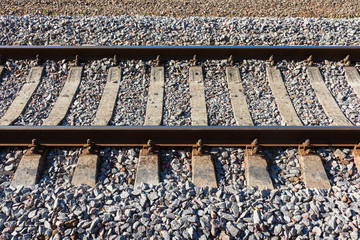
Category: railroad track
[152,137]
[152,140]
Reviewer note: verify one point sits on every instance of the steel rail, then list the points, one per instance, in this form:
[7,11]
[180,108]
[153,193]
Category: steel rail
[297,53]
[179,136]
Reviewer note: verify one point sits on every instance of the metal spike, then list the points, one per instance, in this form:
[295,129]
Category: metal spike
[305,147]
[115,60]
[346,61]
[309,60]
[89,146]
[271,60]
[76,61]
[231,61]
[34,142]
[34,147]
[157,61]
[150,146]
[193,61]
[37,60]
[199,146]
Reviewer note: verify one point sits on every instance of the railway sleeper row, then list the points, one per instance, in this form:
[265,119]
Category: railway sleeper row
[155,99]
[203,171]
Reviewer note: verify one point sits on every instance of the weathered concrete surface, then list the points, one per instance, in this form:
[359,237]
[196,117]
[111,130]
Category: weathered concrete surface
[23,97]
[357,163]
[109,96]
[238,98]
[86,170]
[282,99]
[256,172]
[353,78]
[66,97]
[197,100]
[313,172]
[154,107]
[29,170]
[325,98]
[147,169]
[203,171]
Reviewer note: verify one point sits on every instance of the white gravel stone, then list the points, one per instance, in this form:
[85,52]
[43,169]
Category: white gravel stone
[9,167]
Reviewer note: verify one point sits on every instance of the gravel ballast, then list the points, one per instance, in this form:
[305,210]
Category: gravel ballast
[130,107]
[173,8]
[261,102]
[217,96]
[177,109]
[145,30]
[177,209]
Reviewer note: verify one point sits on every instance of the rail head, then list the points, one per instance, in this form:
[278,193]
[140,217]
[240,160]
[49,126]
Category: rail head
[179,136]
[238,53]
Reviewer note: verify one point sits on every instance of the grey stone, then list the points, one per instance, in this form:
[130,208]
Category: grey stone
[339,154]
[175,225]
[192,233]
[124,195]
[257,217]
[277,230]
[153,196]
[233,230]
[165,235]
[94,225]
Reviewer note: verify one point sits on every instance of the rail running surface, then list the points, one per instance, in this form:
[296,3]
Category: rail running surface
[318,53]
[178,136]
